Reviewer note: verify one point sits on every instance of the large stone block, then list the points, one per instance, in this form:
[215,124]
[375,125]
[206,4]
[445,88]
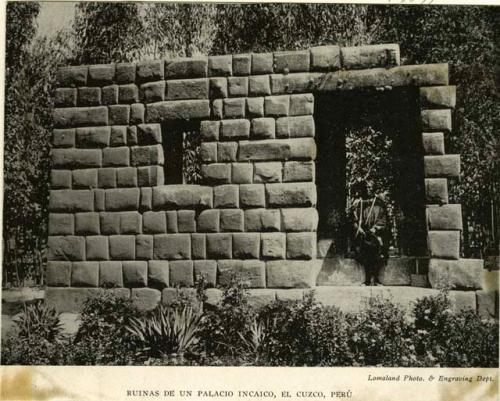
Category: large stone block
[252,195]
[242,64]
[116,157]
[172,246]
[119,114]
[60,179]
[89,96]
[237,86]
[255,107]
[70,201]
[438,97]
[151,70]
[267,172]
[198,246]
[241,173]
[301,105]
[360,57]
[436,120]
[158,274]
[397,271]
[339,271]
[135,274]
[118,135]
[97,247]
[226,196]
[208,152]
[153,92]
[442,166]
[85,274]
[259,85]
[148,134]
[66,248]
[110,274]
[227,151]
[154,222]
[444,244]
[122,199]
[109,94]
[277,106]
[487,304]
[299,219]
[65,97]
[101,74]
[145,299]
[263,128]
[177,110]
[110,223]
[277,149]
[262,63]
[126,177]
[234,108]
[325,58]
[262,220]
[137,111]
[68,299]
[436,190]
[295,83]
[433,143]
[246,245]
[186,221]
[187,89]
[301,245]
[250,272]
[299,171]
[231,220]
[291,274]
[273,245]
[76,158]
[181,273]
[295,127]
[61,224]
[146,199]
[122,247]
[209,130]
[182,197]
[208,221]
[80,116]
[456,274]
[234,129]
[63,138]
[291,61]
[216,173]
[186,67]
[58,274]
[220,66]
[219,246]
[146,155]
[144,247]
[87,223]
[291,195]
[217,88]
[85,179]
[445,217]
[72,76]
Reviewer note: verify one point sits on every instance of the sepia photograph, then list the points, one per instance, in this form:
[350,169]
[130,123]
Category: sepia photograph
[251,185]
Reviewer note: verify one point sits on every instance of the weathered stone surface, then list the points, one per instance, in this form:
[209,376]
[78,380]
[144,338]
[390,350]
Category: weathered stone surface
[216,173]
[186,221]
[177,110]
[258,85]
[433,143]
[291,194]
[186,67]
[301,105]
[419,280]
[241,173]
[72,76]
[267,172]
[206,270]
[70,299]
[463,300]
[63,138]
[445,217]
[290,274]
[122,247]
[85,179]
[252,195]
[220,66]
[487,304]
[93,137]
[70,201]
[128,93]
[187,89]
[101,74]
[237,86]
[118,135]
[294,127]
[137,111]
[339,271]
[130,223]
[110,274]
[144,247]
[299,219]
[172,246]
[251,272]
[326,248]
[299,171]
[146,199]
[217,88]
[217,109]
[172,221]
[181,273]
[97,247]
[436,120]
[151,70]
[277,149]
[260,297]
[456,274]
[99,195]
[58,274]
[262,220]
[119,114]
[198,246]
[76,158]
[85,274]
[147,155]
[149,176]
[208,152]
[436,190]
[295,83]
[109,94]
[255,107]
[154,222]
[277,105]
[294,294]
[227,151]
[135,274]
[126,177]
[246,245]
[242,64]
[444,244]
[301,245]
[360,57]
[262,63]
[148,134]
[110,223]
[219,246]
[234,108]
[87,223]
[442,166]
[60,179]
[182,197]
[273,245]
[66,248]
[61,224]
[132,135]
[208,221]
[397,271]
[325,58]
[291,61]
[438,97]
[179,296]
[234,129]
[153,92]
[65,97]
[209,130]
[122,199]
[145,299]
[226,196]
[158,274]
[263,128]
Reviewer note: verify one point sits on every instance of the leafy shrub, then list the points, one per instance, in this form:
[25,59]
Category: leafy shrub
[39,321]
[165,331]
[102,337]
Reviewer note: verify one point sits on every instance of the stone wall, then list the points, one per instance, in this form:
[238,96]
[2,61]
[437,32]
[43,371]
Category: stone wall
[114,224]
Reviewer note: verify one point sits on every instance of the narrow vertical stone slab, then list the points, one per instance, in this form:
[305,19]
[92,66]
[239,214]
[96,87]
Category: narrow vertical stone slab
[436,190]
[433,143]
[444,244]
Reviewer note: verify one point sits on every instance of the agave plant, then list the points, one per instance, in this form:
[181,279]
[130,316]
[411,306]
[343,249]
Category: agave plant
[39,322]
[166,331]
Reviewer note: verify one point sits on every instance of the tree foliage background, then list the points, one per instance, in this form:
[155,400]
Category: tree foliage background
[464,37]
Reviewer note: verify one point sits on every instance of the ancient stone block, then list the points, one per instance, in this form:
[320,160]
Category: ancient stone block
[262,63]
[144,247]
[241,173]
[277,105]
[110,274]
[154,223]
[301,245]
[234,129]
[58,274]
[122,199]
[217,88]
[220,66]
[444,244]
[262,220]
[277,149]
[116,157]
[291,61]
[61,224]
[397,271]
[109,94]
[66,248]
[145,299]
[456,274]
[209,130]
[85,274]
[89,96]
[63,138]
[436,120]
[99,195]
[208,221]
[217,109]
[101,74]
[246,245]
[290,274]
[146,198]
[208,152]
[487,304]
[153,92]
[187,89]
[70,201]
[135,274]
[295,83]
[436,190]
[219,246]
[255,107]
[242,64]
[186,67]
[237,86]
[132,135]
[198,246]
[445,217]
[251,272]
[234,108]
[442,166]
[227,151]
[72,76]
[181,273]
[325,58]
[216,173]
[182,197]
[299,219]
[86,178]
[298,171]
[110,223]
[158,274]
[72,299]
[106,178]
[137,112]
[206,269]
[263,128]
[360,57]
[87,223]
[293,127]
[301,105]
[150,176]
[93,137]
[177,110]
[178,296]
[252,195]
[130,223]
[292,194]
[267,172]
[97,247]
[118,135]
[231,220]
[81,116]
[438,97]
[152,70]
[259,85]
[119,114]
[433,143]
[339,271]
[186,221]
[126,177]
[226,196]
[172,221]
[60,179]
[76,158]
[172,246]
[146,155]
[273,245]
[65,97]
[122,247]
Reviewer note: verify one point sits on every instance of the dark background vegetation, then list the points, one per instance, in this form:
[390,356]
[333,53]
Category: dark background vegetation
[464,37]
